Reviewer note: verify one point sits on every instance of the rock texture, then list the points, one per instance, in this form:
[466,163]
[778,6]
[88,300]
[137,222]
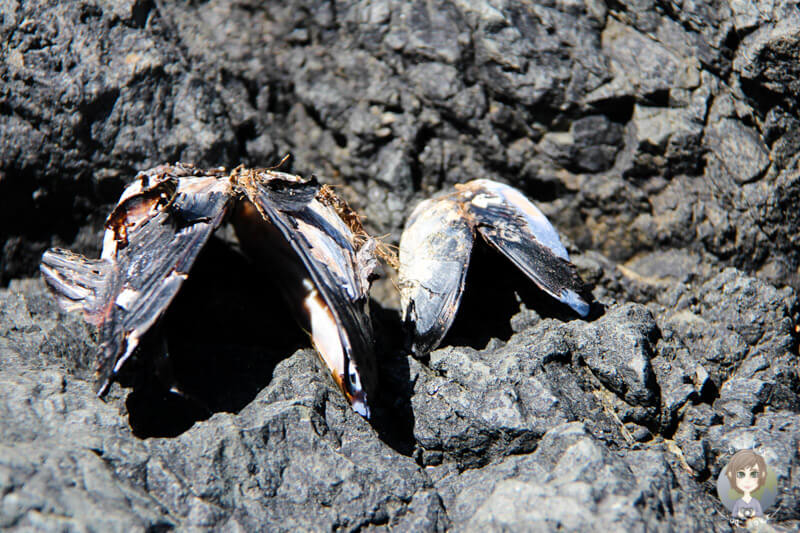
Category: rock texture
[660,137]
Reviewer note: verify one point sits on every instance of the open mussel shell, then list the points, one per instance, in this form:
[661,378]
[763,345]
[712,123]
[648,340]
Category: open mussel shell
[437,241]
[162,222]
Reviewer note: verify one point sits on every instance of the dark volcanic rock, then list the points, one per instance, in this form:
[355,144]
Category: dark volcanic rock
[571,482]
[472,406]
[296,457]
[661,138]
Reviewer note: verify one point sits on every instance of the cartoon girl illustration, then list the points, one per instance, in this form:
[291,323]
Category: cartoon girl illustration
[747,472]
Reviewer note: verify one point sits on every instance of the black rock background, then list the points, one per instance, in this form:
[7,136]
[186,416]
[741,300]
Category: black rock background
[660,137]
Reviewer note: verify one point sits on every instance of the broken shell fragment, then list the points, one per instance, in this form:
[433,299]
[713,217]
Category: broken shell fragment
[436,244]
[160,225]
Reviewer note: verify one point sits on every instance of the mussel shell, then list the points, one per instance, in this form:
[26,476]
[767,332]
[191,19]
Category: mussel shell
[435,248]
[436,244]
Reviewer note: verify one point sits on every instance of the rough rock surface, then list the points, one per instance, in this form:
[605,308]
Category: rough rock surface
[662,138]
